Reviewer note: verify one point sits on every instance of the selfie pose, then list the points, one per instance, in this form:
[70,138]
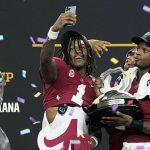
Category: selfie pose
[69,89]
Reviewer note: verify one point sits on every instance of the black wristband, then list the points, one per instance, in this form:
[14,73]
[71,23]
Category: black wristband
[136,125]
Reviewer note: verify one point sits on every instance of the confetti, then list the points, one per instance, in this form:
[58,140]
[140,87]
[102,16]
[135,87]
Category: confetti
[32,119]
[32,40]
[96,101]
[146,8]
[71,111]
[139,148]
[41,40]
[82,136]
[21,100]
[58,97]
[114,60]
[25,131]
[33,85]
[128,75]
[114,107]
[24,72]
[37,122]
[1,37]
[37,94]
[74,141]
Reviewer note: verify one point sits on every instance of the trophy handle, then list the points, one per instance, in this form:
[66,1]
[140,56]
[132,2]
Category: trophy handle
[106,77]
[110,71]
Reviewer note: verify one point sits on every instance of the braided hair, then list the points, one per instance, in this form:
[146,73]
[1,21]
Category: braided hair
[73,36]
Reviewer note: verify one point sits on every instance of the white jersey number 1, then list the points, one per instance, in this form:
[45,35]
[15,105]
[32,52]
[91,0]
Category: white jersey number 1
[78,97]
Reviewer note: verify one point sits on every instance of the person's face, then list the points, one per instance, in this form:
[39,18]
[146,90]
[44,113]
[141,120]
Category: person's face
[130,61]
[142,56]
[78,54]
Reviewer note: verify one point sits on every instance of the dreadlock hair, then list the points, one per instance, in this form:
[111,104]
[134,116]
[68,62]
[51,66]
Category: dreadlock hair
[73,36]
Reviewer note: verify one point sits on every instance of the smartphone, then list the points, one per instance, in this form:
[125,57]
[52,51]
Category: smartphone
[71,9]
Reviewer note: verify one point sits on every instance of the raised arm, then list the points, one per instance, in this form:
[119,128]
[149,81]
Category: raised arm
[98,46]
[47,64]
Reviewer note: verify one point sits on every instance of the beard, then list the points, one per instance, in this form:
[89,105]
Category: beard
[79,67]
[146,67]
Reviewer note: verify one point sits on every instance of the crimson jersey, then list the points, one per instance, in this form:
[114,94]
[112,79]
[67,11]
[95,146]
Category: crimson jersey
[116,140]
[69,87]
[133,136]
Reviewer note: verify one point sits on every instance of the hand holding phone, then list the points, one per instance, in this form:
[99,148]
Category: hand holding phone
[71,9]
[65,19]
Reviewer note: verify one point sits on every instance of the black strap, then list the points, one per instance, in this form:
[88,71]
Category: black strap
[62,108]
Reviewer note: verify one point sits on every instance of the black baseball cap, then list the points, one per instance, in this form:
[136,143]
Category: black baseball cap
[145,39]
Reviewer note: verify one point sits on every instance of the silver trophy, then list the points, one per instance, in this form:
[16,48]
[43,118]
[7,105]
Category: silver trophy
[114,98]
[123,85]
[2,84]
[4,141]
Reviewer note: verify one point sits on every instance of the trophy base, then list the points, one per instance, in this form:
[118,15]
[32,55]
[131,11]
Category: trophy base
[95,114]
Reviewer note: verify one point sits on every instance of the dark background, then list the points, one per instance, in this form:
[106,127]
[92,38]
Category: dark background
[112,20]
